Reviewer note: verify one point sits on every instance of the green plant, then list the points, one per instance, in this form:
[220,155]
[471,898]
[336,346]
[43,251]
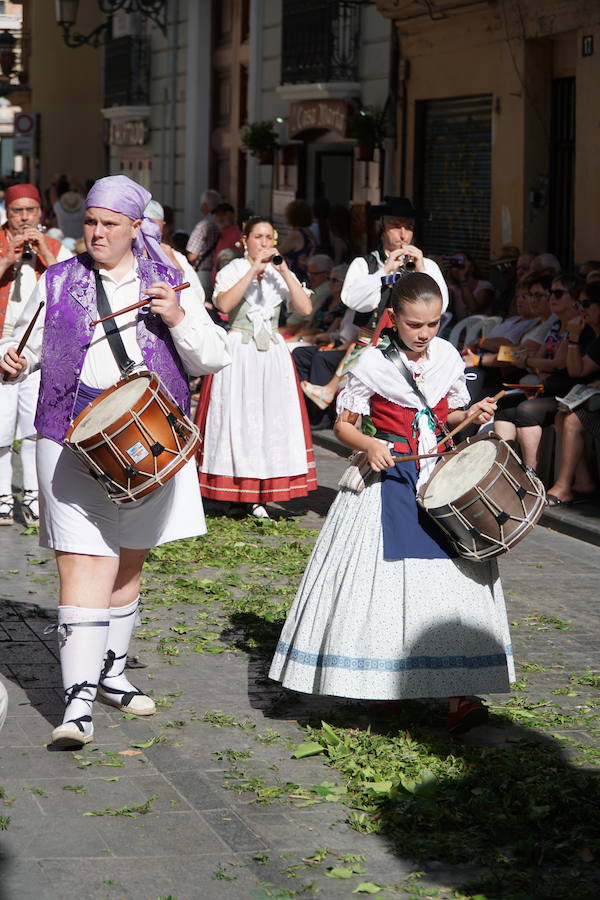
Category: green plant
[259,138]
[368,126]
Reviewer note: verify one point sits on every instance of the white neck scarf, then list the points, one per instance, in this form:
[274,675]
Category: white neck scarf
[434,374]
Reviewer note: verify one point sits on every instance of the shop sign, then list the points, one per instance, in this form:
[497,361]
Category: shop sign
[128,133]
[322,115]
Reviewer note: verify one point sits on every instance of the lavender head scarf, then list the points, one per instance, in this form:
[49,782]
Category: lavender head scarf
[124,195]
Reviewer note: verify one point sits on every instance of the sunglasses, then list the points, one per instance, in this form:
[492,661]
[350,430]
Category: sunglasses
[539,295]
[585,304]
[558,292]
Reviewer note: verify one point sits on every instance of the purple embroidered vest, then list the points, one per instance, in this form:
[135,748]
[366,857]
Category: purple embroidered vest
[68,330]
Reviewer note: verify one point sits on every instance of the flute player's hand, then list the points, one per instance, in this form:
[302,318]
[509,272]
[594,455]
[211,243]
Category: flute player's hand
[12,365]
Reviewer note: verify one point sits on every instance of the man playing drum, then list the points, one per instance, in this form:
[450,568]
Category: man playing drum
[100,547]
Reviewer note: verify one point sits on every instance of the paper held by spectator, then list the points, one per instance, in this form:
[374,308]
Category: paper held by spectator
[510,354]
[577,396]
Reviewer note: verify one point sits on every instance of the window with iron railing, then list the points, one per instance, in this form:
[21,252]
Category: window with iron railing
[127,72]
[320,41]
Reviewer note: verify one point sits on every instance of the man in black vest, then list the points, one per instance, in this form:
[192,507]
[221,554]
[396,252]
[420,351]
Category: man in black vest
[362,291]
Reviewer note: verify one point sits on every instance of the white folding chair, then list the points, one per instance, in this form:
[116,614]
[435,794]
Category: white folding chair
[462,331]
[488,324]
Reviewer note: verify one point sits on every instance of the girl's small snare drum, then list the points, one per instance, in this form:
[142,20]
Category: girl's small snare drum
[133,437]
[483,497]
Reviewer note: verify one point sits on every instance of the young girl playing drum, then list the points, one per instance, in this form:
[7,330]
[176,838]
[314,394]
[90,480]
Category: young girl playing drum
[386,609]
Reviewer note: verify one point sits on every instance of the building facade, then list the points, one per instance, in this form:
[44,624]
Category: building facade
[320,63]
[497,123]
[66,95]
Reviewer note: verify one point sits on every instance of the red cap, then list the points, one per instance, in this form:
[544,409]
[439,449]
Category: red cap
[21,192]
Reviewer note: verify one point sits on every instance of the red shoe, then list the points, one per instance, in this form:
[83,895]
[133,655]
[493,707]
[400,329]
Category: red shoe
[469,714]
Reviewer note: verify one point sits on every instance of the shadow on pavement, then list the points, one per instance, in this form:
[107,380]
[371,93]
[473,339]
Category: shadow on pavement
[501,801]
[29,658]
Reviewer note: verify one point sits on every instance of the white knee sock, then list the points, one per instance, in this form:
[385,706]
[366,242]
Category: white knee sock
[113,680]
[82,636]
[5,470]
[30,482]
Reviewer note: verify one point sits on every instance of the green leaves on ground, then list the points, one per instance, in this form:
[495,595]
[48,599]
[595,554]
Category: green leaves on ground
[108,758]
[516,809]
[308,749]
[130,811]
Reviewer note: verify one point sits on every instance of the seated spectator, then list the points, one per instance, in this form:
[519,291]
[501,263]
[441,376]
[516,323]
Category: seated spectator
[539,299]
[230,237]
[590,265]
[486,376]
[510,331]
[299,243]
[592,275]
[325,323]
[503,277]
[319,269]
[523,265]
[545,264]
[469,294]
[575,480]
[314,363]
[526,420]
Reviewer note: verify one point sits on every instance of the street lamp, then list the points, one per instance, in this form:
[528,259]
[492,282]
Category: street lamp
[66,16]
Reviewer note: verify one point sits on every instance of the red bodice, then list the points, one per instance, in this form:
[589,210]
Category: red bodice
[393,419]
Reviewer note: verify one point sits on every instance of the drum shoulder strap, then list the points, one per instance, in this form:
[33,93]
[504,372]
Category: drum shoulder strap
[115,341]
[392,352]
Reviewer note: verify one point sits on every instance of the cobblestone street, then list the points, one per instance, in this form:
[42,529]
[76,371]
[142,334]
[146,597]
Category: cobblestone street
[183,805]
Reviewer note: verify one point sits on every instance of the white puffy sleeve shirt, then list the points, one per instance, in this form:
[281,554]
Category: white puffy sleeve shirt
[201,345]
[362,292]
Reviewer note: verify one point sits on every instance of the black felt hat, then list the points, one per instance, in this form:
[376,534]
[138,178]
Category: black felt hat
[393,208]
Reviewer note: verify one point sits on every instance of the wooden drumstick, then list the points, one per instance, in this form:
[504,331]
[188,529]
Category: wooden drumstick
[469,420]
[450,434]
[423,456]
[119,312]
[28,331]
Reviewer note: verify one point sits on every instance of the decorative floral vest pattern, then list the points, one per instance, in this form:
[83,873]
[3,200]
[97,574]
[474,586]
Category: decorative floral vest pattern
[68,330]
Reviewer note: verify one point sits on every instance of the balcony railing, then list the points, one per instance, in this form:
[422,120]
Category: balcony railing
[15,50]
[320,41]
[127,72]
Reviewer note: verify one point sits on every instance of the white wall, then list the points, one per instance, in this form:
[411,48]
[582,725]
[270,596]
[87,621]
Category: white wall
[180,103]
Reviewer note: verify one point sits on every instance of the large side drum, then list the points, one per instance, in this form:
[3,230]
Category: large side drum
[133,437]
[483,497]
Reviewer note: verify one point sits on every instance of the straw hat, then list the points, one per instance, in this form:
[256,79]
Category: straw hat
[71,201]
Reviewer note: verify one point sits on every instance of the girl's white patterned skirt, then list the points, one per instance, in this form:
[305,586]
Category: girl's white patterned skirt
[365,627]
